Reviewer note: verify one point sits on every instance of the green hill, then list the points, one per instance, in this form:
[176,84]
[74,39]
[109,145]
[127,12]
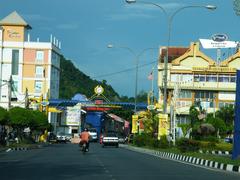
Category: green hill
[73,81]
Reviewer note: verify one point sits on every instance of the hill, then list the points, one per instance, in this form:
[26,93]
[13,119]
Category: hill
[73,81]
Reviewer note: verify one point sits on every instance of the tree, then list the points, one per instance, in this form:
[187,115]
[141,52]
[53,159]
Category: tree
[3,116]
[226,114]
[193,115]
[39,121]
[218,124]
[20,117]
[236,7]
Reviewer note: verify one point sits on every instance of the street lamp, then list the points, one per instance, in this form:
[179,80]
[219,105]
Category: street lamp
[136,56]
[169,21]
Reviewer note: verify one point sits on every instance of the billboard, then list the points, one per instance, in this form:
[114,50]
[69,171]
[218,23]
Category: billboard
[211,44]
[134,123]
[73,115]
[163,125]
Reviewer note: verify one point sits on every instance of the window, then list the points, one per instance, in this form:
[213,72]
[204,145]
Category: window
[202,78]
[232,78]
[185,94]
[38,86]
[39,55]
[211,78]
[39,71]
[15,62]
[223,78]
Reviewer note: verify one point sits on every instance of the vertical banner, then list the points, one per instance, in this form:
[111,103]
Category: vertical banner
[134,123]
[236,135]
[163,125]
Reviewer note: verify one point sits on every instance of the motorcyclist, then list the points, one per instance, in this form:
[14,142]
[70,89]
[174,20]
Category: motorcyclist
[84,138]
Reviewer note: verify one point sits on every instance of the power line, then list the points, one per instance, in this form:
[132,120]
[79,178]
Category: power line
[125,70]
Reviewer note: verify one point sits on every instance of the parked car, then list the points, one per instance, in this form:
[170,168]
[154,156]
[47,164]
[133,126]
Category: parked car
[61,137]
[52,138]
[122,139]
[94,135]
[68,137]
[110,139]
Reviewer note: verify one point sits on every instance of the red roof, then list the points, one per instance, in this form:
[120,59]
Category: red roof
[173,53]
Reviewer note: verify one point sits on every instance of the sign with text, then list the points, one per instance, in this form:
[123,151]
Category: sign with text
[210,44]
[163,125]
[134,123]
[73,116]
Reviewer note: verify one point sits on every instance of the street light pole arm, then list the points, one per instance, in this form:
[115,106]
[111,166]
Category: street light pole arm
[151,3]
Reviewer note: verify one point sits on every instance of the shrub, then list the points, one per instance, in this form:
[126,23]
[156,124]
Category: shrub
[206,145]
[188,145]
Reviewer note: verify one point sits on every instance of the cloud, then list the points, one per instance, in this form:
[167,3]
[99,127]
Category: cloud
[69,26]
[38,17]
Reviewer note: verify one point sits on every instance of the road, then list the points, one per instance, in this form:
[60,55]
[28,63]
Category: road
[65,161]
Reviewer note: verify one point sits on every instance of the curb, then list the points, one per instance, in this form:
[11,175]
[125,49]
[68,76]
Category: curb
[26,148]
[216,152]
[188,159]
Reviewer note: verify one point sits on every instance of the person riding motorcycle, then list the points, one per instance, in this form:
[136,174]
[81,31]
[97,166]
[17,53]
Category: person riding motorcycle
[84,138]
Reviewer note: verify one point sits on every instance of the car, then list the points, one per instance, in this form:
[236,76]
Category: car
[228,140]
[93,134]
[61,137]
[122,139]
[52,138]
[68,137]
[110,139]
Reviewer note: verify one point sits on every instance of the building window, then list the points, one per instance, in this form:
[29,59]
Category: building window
[223,78]
[39,55]
[185,94]
[39,71]
[211,78]
[15,62]
[38,86]
[232,78]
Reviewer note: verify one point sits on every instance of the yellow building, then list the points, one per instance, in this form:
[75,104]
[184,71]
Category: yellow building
[196,78]
[28,69]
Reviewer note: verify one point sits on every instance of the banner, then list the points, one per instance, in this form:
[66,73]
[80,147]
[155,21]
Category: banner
[163,125]
[236,135]
[210,44]
[134,124]
[73,116]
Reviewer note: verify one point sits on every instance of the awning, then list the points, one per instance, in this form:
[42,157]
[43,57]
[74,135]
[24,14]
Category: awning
[116,118]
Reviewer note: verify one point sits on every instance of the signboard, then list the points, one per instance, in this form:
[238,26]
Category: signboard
[134,123]
[163,125]
[210,44]
[150,107]
[73,116]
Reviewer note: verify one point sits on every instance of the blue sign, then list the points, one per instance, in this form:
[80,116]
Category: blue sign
[219,37]
[236,134]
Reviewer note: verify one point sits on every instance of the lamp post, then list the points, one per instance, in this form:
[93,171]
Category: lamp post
[136,56]
[169,21]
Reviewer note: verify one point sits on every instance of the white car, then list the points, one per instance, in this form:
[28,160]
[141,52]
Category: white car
[110,139]
[61,137]
[93,134]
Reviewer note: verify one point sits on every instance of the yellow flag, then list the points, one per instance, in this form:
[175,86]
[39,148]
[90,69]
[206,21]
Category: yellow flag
[134,123]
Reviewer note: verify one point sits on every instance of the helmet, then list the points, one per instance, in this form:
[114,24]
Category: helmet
[85,129]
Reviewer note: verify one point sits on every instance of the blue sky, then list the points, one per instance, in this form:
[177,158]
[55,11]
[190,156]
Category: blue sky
[86,27]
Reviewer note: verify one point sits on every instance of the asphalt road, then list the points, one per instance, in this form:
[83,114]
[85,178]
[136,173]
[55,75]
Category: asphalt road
[66,161]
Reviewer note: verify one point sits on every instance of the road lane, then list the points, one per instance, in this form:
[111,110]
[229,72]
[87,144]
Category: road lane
[66,161]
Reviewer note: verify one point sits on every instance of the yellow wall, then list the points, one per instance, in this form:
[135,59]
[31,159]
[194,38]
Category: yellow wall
[29,84]
[194,61]
[13,33]
[235,63]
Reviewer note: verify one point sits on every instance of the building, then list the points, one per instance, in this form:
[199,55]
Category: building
[194,78]
[28,69]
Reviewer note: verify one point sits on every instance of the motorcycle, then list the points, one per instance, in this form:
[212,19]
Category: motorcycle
[84,148]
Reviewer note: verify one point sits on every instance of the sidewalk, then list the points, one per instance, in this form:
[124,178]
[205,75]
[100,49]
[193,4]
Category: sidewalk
[186,159]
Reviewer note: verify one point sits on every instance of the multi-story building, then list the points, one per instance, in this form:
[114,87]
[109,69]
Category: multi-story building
[197,79]
[28,69]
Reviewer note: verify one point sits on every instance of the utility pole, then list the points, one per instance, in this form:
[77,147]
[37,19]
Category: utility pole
[9,92]
[26,99]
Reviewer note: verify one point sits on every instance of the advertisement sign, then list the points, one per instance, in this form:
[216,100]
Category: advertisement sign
[163,125]
[211,44]
[73,116]
[134,123]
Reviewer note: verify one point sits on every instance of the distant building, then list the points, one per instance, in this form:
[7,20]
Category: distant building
[197,79]
[28,69]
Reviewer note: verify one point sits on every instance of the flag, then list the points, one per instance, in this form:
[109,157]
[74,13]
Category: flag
[150,76]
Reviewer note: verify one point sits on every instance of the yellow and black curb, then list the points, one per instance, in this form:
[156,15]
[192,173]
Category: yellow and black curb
[187,159]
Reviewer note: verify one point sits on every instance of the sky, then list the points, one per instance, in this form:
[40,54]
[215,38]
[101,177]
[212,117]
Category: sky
[86,28]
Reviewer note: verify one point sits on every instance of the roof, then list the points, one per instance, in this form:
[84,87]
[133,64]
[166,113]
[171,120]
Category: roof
[173,53]
[116,118]
[14,19]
